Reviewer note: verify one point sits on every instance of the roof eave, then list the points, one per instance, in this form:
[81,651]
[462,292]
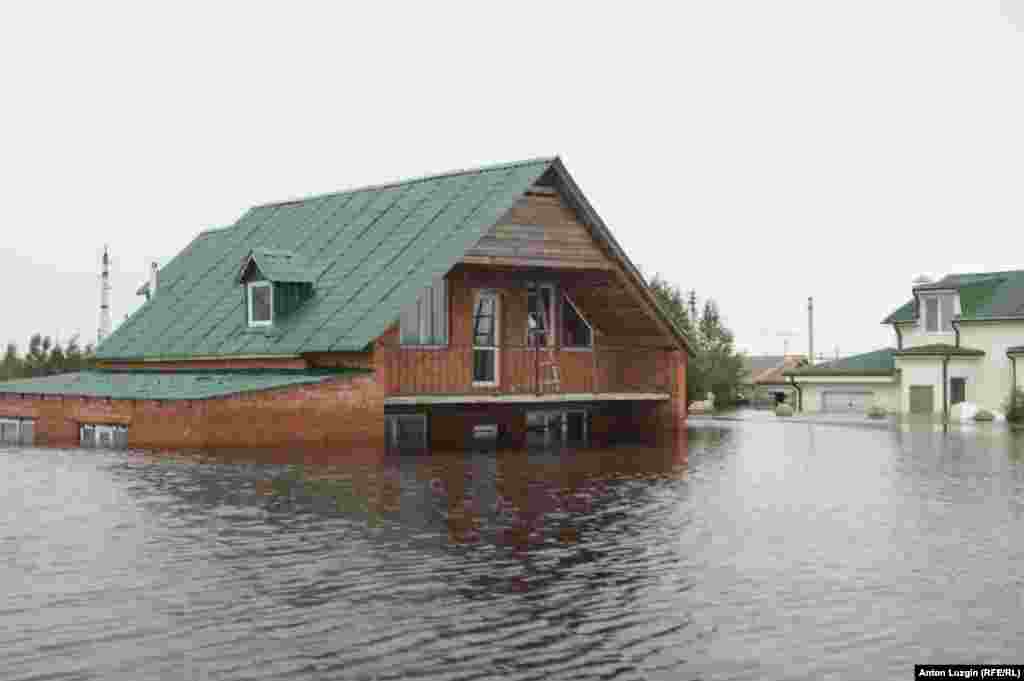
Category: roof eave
[593,218]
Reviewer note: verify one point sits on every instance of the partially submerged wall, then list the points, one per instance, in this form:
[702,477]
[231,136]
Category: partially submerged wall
[337,413]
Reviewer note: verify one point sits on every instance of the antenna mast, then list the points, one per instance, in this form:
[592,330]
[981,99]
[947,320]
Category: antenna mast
[104,329]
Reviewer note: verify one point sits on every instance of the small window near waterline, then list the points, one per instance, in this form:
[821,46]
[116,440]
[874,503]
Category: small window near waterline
[103,436]
[260,303]
[9,431]
[957,390]
[27,436]
[407,431]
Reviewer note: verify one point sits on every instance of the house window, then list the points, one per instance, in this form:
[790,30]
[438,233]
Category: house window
[261,303]
[17,431]
[539,315]
[407,431]
[938,313]
[931,315]
[425,322]
[485,339]
[103,436]
[576,332]
[946,308]
[957,390]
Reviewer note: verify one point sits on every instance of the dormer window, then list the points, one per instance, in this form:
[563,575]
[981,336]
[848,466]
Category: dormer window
[261,303]
[938,313]
[277,284]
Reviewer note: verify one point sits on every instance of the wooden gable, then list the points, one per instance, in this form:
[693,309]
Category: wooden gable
[539,231]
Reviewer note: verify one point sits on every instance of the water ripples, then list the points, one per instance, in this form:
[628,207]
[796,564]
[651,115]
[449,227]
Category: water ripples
[745,552]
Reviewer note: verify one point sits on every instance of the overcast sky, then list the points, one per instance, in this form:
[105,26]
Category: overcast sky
[758,152]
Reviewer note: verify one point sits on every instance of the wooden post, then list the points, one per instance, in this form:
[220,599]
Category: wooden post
[536,364]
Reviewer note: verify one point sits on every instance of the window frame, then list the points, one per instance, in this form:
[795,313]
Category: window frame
[263,283]
[952,394]
[394,428]
[496,348]
[946,310]
[423,321]
[551,321]
[583,348]
[929,318]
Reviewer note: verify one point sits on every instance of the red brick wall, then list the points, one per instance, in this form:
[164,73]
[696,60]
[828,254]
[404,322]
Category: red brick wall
[339,413]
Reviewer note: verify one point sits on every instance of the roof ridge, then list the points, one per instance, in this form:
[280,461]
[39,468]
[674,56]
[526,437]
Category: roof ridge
[412,180]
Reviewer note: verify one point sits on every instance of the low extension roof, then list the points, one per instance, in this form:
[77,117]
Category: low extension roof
[163,385]
[875,363]
[939,350]
[372,251]
[983,295]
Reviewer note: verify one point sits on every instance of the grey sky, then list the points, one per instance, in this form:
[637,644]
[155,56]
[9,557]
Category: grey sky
[758,152]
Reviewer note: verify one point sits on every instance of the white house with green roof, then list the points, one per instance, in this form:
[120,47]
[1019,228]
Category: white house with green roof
[957,340]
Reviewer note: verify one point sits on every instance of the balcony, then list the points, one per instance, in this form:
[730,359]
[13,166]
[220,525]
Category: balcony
[420,375]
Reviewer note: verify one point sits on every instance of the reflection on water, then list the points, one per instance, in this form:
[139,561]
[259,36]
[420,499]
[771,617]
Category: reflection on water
[739,550]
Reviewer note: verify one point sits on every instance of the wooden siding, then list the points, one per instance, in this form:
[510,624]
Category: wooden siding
[539,231]
[642,365]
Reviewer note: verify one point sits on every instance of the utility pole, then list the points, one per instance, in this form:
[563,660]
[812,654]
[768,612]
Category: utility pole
[810,329]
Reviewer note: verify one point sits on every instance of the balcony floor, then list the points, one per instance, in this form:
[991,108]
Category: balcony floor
[554,398]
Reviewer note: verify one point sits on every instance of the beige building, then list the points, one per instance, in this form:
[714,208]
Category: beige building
[957,341]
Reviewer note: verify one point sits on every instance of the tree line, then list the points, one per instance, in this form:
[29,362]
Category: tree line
[46,358]
[717,367]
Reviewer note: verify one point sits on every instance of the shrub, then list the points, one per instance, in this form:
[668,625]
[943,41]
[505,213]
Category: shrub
[783,410]
[876,412]
[1014,407]
[984,415]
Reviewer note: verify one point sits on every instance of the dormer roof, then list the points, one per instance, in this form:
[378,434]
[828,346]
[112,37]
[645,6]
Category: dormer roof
[278,265]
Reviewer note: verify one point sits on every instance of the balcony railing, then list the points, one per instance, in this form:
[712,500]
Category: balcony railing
[449,370]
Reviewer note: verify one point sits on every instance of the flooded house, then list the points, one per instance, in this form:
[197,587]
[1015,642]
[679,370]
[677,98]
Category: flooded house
[484,303]
[957,342]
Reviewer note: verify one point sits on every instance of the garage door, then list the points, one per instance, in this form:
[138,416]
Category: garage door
[847,401]
[922,399]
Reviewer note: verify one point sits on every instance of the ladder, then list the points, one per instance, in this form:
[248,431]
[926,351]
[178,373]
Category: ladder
[550,367]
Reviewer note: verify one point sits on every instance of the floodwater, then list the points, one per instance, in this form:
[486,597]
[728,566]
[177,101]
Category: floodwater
[740,551]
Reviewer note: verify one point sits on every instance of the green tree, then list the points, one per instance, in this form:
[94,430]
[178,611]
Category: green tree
[73,355]
[671,301]
[11,366]
[55,362]
[35,359]
[89,357]
[716,367]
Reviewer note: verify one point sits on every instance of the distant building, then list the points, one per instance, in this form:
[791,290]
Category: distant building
[764,384]
[957,340]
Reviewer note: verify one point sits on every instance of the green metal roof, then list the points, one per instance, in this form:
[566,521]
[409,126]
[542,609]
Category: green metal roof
[938,350]
[370,251]
[983,295]
[283,266]
[164,385]
[373,250]
[875,363]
